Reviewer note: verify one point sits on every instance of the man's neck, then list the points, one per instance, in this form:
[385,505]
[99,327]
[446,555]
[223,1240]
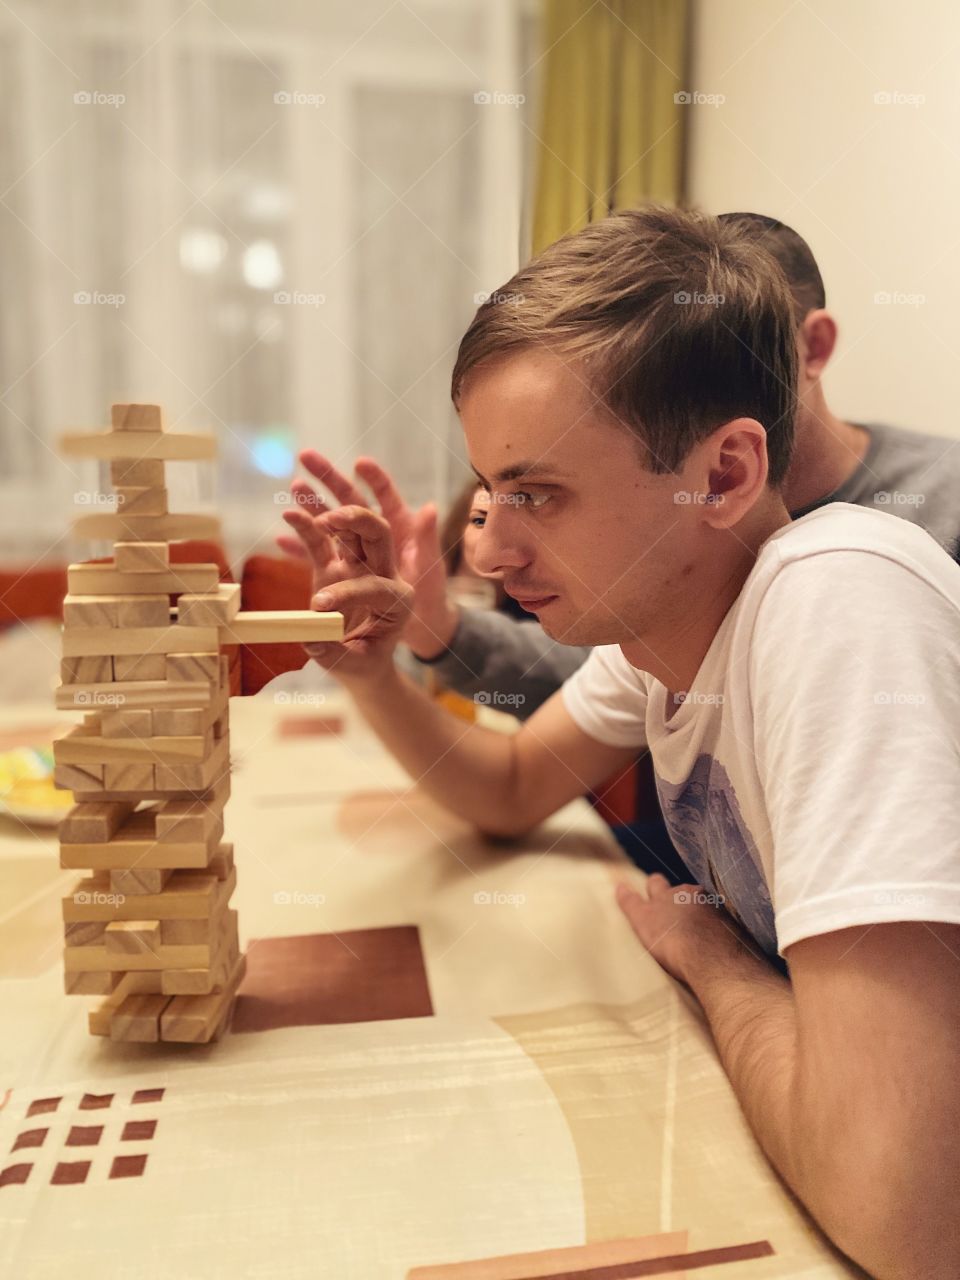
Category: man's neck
[708,600]
[826,454]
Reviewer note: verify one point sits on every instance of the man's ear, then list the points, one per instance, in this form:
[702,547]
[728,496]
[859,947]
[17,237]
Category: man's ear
[817,340]
[737,460]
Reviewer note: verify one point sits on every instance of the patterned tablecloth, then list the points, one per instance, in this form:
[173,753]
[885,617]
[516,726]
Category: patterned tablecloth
[449,1058]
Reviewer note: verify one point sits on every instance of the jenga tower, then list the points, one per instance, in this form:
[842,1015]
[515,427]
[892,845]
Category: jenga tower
[152,927]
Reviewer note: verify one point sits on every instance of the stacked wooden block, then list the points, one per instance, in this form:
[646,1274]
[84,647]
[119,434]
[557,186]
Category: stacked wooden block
[151,928]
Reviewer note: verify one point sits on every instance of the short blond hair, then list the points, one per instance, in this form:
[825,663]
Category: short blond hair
[678,322]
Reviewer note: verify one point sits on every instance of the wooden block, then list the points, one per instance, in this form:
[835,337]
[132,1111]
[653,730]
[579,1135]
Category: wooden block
[221,864]
[82,959]
[211,609]
[194,1019]
[139,667]
[194,777]
[194,666]
[94,822]
[90,611]
[187,721]
[129,777]
[127,723]
[121,853]
[186,821]
[180,932]
[138,472]
[106,579]
[78,777]
[144,693]
[81,748]
[214,976]
[188,895]
[138,881]
[126,984]
[90,983]
[85,933]
[119,527]
[304,626]
[139,557]
[131,937]
[136,417]
[167,445]
[95,669]
[148,641]
[144,611]
[142,500]
[137,1019]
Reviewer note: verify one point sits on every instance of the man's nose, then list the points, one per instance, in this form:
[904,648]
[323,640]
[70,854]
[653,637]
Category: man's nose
[500,546]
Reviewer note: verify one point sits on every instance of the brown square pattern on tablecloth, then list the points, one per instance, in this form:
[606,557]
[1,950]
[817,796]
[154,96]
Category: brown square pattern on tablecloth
[366,975]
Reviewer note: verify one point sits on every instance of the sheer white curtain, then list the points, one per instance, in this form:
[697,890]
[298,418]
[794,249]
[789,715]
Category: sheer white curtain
[272,219]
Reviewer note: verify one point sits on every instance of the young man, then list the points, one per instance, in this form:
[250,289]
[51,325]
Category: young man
[797,683]
[908,473]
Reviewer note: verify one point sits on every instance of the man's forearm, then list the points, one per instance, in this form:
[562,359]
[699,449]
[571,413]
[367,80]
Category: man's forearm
[467,768]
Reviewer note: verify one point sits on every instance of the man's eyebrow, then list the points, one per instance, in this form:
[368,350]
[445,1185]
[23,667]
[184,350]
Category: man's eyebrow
[522,471]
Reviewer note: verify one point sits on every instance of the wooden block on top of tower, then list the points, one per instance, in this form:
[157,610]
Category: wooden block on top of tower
[136,472]
[141,557]
[142,500]
[210,609]
[156,445]
[136,417]
[120,527]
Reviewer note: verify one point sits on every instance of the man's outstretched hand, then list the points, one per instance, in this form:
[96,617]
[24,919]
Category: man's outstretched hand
[431,620]
[354,573]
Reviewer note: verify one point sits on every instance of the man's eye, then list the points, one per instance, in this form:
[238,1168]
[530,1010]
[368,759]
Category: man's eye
[534,500]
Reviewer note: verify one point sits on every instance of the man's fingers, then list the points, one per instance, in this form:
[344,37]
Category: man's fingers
[340,485]
[386,492]
[365,534]
[306,498]
[315,538]
[292,546]
[370,605]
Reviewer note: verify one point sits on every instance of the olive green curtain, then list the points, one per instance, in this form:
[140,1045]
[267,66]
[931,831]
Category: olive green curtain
[611,133]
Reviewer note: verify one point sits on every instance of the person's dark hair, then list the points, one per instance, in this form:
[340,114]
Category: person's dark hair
[451,531]
[678,321]
[791,251]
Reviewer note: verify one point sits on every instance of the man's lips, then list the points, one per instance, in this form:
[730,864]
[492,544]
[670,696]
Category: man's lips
[528,599]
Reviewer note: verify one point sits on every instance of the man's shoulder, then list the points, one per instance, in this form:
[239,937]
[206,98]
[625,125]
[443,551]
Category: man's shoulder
[841,540]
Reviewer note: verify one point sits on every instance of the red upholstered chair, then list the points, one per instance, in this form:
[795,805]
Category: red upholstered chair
[32,593]
[268,582]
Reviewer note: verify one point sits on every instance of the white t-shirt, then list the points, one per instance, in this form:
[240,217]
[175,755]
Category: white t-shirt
[812,775]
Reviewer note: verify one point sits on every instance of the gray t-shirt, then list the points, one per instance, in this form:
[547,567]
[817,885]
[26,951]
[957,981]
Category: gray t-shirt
[516,666]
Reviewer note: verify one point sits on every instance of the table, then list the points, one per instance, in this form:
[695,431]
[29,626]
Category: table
[450,1059]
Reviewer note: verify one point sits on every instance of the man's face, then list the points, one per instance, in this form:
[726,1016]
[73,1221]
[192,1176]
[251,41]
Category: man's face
[584,537]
